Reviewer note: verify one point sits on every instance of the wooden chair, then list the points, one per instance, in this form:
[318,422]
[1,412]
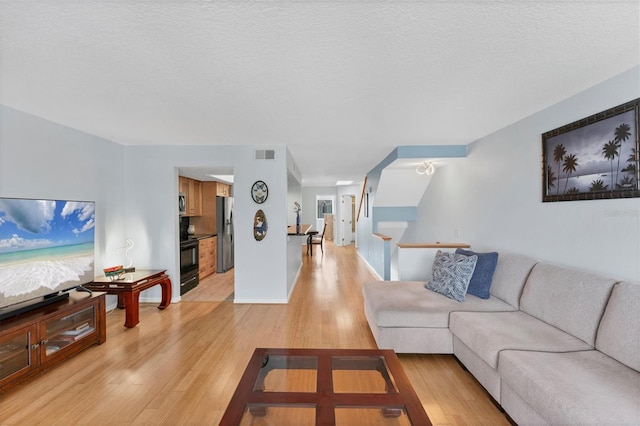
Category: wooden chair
[316,239]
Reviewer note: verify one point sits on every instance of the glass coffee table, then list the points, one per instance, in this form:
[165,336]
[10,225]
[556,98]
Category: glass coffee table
[324,387]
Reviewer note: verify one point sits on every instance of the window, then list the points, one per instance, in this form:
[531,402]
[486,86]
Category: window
[324,206]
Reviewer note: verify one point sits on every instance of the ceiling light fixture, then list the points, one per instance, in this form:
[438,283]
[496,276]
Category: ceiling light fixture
[344,182]
[425,168]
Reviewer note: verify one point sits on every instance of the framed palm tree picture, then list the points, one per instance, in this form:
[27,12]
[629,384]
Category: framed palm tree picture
[594,158]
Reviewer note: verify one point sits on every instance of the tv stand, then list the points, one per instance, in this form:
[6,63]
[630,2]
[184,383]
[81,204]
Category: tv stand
[31,305]
[36,340]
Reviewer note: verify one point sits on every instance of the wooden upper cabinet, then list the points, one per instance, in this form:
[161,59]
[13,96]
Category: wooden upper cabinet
[224,190]
[195,193]
[193,190]
[183,183]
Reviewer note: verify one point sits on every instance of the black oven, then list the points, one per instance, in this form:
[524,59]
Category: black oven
[189,257]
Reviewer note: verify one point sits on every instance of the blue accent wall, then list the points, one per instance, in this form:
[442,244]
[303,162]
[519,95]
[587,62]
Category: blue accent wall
[393,214]
[431,151]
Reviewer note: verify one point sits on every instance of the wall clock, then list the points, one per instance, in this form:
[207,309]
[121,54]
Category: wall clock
[259,192]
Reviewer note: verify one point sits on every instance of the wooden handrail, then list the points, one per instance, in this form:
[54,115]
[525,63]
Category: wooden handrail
[364,186]
[382,237]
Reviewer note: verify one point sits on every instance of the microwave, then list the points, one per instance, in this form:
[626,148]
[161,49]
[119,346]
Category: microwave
[182,203]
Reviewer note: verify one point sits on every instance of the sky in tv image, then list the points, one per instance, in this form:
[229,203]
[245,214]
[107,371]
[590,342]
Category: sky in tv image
[45,245]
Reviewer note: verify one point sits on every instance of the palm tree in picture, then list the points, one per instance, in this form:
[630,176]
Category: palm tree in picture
[610,152]
[558,154]
[598,185]
[632,167]
[569,166]
[551,178]
[621,134]
[626,182]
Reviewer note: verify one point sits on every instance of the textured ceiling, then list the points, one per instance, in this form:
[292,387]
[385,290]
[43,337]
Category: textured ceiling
[340,82]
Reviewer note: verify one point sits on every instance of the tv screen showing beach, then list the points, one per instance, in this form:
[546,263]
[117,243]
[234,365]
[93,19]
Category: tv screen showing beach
[45,246]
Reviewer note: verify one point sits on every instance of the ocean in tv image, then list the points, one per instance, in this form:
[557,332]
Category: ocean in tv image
[45,246]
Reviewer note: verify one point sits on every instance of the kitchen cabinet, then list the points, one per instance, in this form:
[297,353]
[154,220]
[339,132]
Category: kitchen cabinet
[207,248]
[206,222]
[193,190]
[205,219]
[224,190]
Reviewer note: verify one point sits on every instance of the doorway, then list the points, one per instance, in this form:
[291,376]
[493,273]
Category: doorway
[324,205]
[348,221]
[210,190]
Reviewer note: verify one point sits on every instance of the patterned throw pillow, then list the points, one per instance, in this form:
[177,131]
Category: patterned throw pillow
[451,274]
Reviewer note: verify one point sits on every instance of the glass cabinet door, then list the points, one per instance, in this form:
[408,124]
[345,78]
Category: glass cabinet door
[16,353]
[62,331]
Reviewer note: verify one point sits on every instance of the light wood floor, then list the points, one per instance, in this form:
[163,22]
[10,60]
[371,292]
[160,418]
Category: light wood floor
[181,365]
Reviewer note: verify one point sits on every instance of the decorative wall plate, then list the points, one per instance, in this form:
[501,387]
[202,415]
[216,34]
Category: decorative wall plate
[259,226]
[259,192]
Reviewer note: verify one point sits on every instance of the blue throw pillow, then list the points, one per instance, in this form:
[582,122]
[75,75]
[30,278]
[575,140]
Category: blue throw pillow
[480,284]
[450,274]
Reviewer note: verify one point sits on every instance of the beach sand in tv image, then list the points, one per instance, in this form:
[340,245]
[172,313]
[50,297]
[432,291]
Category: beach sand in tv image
[45,246]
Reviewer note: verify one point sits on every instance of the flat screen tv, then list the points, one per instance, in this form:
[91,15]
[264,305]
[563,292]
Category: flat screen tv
[46,249]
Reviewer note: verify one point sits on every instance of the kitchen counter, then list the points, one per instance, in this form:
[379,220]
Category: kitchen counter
[304,230]
[200,236]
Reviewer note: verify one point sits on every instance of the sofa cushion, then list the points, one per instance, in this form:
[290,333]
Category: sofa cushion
[488,333]
[509,277]
[480,283]
[584,387]
[409,304]
[619,331]
[451,273]
[570,299]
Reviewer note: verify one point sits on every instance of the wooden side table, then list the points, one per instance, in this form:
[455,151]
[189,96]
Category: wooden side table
[128,291]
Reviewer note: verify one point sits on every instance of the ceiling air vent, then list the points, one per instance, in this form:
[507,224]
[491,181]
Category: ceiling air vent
[265,154]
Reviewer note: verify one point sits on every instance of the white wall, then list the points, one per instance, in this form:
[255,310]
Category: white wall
[135,191]
[41,159]
[294,260]
[401,187]
[369,246]
[294,195]
[260,266]
[294,252]
[294,188]
[494,196]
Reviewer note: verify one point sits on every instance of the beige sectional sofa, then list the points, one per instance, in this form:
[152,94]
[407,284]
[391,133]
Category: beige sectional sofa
[552,345]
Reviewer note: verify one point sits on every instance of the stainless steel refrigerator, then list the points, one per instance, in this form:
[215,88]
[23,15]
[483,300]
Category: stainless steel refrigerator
[224,228]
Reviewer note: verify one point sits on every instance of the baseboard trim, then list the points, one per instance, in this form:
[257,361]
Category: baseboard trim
[373,271]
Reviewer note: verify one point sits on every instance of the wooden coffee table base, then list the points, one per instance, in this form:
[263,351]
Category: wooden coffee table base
[325,387]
